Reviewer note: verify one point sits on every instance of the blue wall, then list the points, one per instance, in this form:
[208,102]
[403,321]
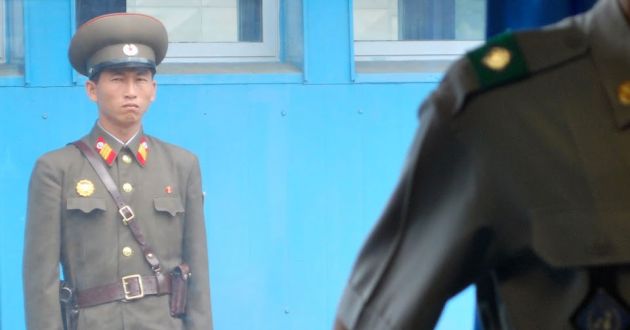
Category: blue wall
[296,167]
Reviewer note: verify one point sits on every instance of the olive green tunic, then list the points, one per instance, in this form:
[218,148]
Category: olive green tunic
[517,181]
[83,231]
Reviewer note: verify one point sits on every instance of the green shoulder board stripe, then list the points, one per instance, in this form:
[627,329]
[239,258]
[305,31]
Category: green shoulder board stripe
[499,61]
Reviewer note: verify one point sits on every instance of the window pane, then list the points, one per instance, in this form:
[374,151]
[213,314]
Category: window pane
[88,9]
[190,20]
[394,20]
[470,19]
[205,30]
[250,20]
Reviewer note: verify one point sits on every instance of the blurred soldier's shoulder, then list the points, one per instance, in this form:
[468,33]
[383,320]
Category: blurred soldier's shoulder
[507,59]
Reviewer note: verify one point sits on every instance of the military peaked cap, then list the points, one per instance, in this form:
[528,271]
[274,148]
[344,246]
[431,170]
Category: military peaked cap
[116,41]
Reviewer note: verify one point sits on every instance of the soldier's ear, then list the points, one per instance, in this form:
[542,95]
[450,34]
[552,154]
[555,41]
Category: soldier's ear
[90,89]
[154,90]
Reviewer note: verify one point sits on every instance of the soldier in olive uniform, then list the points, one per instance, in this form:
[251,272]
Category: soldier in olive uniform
[73,221]
[519,182]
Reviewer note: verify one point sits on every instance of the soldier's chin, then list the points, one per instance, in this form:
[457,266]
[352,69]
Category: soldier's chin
[130,120]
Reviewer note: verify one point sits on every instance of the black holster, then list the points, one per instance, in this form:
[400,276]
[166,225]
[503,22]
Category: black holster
[179,289]
[69,308]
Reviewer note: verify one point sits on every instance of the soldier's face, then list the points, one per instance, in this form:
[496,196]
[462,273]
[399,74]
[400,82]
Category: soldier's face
[123,96]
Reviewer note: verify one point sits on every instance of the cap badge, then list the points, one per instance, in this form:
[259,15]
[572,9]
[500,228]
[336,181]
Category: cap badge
[85,188]
[168,189]
[130,49]
[497,58]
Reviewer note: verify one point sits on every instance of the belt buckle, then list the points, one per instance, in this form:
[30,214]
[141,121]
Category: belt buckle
[127,214]
[125,282]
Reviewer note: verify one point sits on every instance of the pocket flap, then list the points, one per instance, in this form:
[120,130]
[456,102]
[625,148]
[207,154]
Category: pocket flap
[171,205]
[86,205]
[570,238]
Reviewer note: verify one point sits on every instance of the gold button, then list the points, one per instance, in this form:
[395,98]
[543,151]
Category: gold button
[623,93]
[126,159]
[127,251]
[127,187]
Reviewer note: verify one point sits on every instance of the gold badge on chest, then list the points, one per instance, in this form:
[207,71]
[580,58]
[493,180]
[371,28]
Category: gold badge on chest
[85,188]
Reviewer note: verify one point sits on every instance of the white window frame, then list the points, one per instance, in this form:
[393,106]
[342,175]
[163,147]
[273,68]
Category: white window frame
[213,52]
[3,37]
[412,50]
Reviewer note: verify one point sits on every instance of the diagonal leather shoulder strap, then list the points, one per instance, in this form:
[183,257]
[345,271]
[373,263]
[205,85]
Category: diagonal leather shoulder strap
[103,174]
[125,210]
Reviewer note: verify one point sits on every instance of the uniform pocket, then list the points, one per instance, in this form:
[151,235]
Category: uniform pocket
[170,205]
[86,205]
[570,238]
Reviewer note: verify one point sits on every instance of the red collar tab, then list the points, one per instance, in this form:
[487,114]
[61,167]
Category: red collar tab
[105,151]
[143,151]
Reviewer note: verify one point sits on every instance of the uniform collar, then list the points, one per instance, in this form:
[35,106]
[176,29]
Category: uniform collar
[109,147]
[609,36]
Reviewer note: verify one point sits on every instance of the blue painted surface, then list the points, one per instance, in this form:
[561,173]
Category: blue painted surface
[295,173]
[328,41]
[47,34]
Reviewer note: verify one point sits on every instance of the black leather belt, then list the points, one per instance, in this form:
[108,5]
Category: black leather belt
[129,288]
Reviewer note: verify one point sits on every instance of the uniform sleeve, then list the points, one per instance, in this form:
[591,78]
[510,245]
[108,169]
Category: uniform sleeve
[199,311]
[42,249]
[432,240]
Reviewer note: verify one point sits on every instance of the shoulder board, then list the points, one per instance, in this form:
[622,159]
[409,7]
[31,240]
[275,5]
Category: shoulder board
[513,56]
[498,61]
[508,58]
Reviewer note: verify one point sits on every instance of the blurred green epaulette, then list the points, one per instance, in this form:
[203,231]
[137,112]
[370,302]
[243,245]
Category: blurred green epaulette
[506,59]
[499,61]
